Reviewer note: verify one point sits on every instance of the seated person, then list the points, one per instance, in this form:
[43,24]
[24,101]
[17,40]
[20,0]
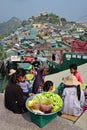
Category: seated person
[25,86]
[14,97]
[73,70]
[73,96]
[48,86]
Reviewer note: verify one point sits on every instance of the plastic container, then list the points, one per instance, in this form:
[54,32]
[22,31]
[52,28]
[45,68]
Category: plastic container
[42,120]
[36,105]
[45,106]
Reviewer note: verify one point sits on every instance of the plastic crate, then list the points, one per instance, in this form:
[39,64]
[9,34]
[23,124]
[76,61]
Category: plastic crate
[42,120]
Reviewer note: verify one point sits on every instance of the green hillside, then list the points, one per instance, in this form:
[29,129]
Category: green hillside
[9,26]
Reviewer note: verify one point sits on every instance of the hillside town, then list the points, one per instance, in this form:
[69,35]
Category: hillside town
[45,39]
[55,47]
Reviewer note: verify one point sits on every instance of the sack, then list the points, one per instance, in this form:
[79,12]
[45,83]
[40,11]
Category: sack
[60,89]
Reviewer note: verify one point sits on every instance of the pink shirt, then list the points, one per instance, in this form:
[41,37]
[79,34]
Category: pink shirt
[78,76]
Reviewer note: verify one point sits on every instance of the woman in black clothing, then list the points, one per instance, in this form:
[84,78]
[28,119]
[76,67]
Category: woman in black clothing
[14,98]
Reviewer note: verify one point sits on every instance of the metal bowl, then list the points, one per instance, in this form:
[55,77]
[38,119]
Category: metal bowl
[30,98]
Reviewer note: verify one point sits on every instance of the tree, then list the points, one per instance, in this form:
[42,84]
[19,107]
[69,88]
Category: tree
[24,23]
[2,52]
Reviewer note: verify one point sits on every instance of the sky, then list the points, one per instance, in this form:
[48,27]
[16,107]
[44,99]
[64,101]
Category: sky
[71,10]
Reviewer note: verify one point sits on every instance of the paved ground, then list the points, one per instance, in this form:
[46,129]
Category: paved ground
[11,121]
[82,121]
[57,78]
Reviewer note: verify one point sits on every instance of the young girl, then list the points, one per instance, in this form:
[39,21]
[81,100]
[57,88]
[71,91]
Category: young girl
[73,70]
[25,88]
[73,96]
[48,86]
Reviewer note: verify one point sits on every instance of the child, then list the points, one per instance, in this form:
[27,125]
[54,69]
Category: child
[48,86]
[73,97]
[73,70]
[25,86]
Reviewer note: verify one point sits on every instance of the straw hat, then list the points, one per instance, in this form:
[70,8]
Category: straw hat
[71,80]
[12,71]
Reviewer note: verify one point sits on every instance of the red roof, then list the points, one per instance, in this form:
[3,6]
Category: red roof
[79,46]
[30,59]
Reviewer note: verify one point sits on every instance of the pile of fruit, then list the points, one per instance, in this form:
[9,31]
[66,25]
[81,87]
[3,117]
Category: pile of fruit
[48,98]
